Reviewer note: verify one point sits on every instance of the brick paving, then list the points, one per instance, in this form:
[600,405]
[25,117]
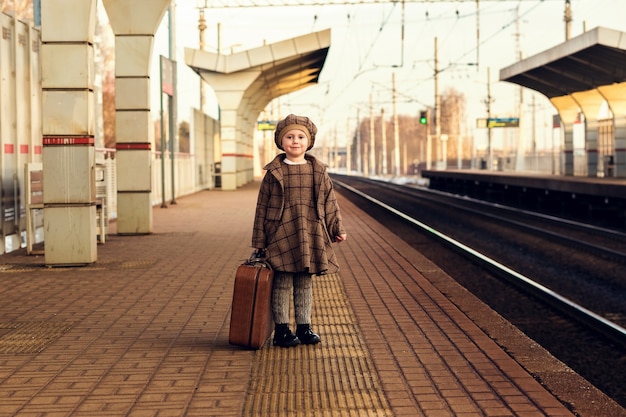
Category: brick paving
[144,331]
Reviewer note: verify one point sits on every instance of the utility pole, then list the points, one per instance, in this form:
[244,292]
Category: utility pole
[348,148]
[477,33]
[396,129]
[520,150]
[437,104]
[335,149]
[488,101]
[372,140]
[384,141]
[359,153]
[201,28]
[568,20]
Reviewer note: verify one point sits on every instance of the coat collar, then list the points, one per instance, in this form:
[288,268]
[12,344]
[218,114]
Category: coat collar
[277,162]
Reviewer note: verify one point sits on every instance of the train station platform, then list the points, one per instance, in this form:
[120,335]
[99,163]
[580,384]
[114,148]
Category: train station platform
[144,332]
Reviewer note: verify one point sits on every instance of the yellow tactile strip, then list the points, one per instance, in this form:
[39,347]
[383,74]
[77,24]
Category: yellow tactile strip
[334,378]
[29,337]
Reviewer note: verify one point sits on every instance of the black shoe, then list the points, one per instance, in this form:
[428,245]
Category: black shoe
[283,337]
[306,335]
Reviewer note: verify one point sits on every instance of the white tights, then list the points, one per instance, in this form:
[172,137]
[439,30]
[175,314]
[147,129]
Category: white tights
[286,285]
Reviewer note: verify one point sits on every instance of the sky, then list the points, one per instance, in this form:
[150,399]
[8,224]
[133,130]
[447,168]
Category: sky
[367,47]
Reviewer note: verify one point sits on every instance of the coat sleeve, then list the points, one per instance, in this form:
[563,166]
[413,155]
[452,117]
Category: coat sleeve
[259,238]
[333,220]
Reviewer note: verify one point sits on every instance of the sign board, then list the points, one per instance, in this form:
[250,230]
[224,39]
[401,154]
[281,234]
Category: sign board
[167,76]
[497,122]
[503,122]
[266,124]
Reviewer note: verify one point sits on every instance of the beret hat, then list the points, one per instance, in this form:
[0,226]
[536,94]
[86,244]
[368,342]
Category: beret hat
[292,121]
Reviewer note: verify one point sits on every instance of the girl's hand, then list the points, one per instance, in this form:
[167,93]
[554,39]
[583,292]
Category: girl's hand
[341,237]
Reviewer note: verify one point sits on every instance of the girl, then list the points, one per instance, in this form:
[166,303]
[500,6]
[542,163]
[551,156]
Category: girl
[297,219]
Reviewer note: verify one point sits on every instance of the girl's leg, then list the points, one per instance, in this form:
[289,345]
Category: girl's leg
[303,297]
[282,289]
[303,301]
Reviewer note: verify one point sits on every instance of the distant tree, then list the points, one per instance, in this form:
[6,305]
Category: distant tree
[413,136]
[23,9]
[108,109]
[452,117]
[157,135]
[183,137]
[105,50]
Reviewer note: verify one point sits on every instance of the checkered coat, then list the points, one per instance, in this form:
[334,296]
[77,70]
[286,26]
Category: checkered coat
[269,214]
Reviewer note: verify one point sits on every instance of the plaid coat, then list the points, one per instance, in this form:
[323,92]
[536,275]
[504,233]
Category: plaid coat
[269,215]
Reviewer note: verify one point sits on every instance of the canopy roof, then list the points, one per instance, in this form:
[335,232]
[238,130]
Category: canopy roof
[594,59]
[281,67]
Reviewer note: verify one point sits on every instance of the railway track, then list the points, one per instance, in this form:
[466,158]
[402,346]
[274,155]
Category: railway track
[559,281]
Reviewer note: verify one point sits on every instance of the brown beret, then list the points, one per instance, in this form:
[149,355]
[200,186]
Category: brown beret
[292,121]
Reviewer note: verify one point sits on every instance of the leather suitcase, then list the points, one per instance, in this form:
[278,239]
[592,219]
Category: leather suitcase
[251,322]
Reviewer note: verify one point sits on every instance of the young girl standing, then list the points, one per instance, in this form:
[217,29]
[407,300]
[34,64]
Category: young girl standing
[297,219]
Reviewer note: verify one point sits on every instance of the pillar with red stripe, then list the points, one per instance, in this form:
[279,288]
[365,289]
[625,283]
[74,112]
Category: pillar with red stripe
[67,59]
[134,23]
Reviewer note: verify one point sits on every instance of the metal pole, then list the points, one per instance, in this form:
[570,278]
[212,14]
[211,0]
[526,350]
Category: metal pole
[359,151]
[396,129]
[173,100]
[437,105]
[348,148]
[384,141]
[163,205]
[372,155]
[477,34]
[37,13]
[201,28]
[489,164]
[568,20]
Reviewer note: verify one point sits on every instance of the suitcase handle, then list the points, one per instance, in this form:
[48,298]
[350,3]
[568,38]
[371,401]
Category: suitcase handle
[258,257]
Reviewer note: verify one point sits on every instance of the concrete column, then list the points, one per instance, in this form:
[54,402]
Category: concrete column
[67,59]
[616,97]
[568,111]
[237,154]
[591,146]
[620,147]
[590,103]
[230,149]
[134,23]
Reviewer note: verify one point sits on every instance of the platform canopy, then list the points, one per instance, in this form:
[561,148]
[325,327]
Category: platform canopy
[245,82]
[594,59]
[281,68]
[580,75]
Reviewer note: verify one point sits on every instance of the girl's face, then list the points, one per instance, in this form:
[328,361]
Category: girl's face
[295,143]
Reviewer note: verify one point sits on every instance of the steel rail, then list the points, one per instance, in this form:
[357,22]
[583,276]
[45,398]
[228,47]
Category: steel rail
[588,317]
[603,250]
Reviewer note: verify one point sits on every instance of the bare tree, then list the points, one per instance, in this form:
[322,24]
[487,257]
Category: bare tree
[23,9]
[452,116]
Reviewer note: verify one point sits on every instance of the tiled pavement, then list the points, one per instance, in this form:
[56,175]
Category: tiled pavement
[144,332]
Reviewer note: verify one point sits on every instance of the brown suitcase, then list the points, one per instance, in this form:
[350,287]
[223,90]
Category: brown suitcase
[251,322]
